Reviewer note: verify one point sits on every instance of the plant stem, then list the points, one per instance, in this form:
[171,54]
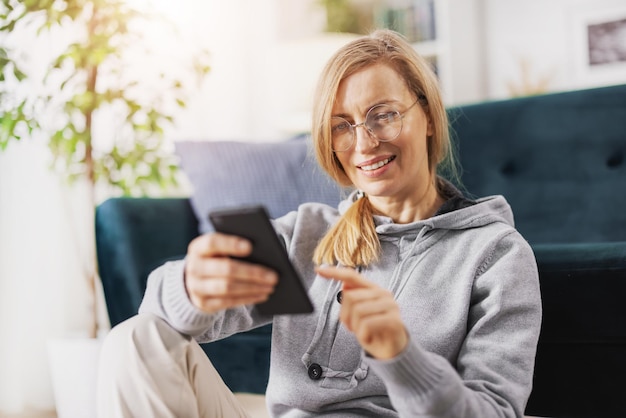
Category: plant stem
[92,77]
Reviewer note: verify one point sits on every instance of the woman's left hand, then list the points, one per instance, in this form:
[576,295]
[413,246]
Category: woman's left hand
[370,312]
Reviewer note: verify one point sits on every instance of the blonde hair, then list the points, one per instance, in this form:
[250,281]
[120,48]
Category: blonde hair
[353,241]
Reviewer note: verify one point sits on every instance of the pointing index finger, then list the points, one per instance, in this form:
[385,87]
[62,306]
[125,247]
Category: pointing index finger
[348,276]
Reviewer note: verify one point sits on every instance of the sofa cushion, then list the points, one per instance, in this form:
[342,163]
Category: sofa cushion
[279,175]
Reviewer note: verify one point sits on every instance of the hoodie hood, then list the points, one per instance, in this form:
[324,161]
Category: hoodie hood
[483,211]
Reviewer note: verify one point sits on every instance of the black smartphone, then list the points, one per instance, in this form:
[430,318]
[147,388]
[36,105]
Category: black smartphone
[253,223]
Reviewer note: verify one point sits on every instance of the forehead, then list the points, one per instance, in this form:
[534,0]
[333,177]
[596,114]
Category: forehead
[369,86]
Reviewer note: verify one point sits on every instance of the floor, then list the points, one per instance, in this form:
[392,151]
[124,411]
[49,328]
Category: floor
[31,414]
[255,404]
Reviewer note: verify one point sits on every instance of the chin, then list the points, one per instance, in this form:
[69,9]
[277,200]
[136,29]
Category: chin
[377,191]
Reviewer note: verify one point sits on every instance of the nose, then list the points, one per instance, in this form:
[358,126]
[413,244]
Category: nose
[364,139]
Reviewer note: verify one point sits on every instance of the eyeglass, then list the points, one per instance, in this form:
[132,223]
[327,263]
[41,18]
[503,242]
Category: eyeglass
[383,122]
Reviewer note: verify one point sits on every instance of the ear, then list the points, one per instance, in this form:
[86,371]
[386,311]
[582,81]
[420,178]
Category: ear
[430,130]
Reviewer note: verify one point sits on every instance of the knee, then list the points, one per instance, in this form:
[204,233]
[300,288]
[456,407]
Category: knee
[140,337]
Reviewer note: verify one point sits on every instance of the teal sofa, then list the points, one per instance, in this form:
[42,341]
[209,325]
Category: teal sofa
[558,158]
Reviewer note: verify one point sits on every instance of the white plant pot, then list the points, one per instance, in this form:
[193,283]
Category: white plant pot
[74,370]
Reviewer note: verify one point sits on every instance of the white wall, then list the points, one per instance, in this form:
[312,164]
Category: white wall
[42,291]
[491,40]
[548,34]
[465,33]
[254,73]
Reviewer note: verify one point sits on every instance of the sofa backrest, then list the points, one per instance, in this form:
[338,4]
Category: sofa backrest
[559,159]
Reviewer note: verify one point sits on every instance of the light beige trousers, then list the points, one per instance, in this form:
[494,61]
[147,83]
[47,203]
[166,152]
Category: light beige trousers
[148,369]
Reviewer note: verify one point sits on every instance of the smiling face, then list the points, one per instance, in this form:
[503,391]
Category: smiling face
[390,173]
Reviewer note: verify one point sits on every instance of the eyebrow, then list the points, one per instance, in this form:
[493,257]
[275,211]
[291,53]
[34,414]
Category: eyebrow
[377,103]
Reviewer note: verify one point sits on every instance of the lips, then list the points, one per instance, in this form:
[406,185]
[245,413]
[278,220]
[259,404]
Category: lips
[377,165]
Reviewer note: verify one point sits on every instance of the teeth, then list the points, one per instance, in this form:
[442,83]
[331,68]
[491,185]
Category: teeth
[375,165]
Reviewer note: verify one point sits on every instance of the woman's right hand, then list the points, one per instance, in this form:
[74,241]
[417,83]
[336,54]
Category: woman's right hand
[215,281]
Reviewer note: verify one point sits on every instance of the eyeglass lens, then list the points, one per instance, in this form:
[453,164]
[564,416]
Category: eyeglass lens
[383,122]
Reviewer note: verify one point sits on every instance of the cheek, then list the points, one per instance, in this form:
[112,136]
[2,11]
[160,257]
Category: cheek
[415,147]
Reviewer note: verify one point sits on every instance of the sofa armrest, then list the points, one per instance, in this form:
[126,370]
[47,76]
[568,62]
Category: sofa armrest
[134,236]
[586,255]
[580,364]
[583,288]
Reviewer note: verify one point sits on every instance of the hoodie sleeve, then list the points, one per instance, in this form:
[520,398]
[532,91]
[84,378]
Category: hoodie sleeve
[493,373]
[167,298]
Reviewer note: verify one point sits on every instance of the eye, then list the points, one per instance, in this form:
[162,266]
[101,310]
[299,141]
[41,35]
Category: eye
[384,117]
[339,127]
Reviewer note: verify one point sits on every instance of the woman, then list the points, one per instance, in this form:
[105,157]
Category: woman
[427,303]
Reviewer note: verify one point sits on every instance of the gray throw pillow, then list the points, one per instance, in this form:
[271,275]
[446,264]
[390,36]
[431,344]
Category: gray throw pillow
[279,175]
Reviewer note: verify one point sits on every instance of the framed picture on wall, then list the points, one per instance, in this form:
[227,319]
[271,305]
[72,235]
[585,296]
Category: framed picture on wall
[600,47]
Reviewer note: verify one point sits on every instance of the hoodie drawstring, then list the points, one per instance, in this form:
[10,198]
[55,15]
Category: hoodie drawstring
[398,282]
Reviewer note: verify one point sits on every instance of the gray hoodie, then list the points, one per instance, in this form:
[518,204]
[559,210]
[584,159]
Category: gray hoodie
[467,286]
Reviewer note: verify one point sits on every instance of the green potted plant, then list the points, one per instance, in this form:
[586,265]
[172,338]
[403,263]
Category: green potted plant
[87,80]
[349,16]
